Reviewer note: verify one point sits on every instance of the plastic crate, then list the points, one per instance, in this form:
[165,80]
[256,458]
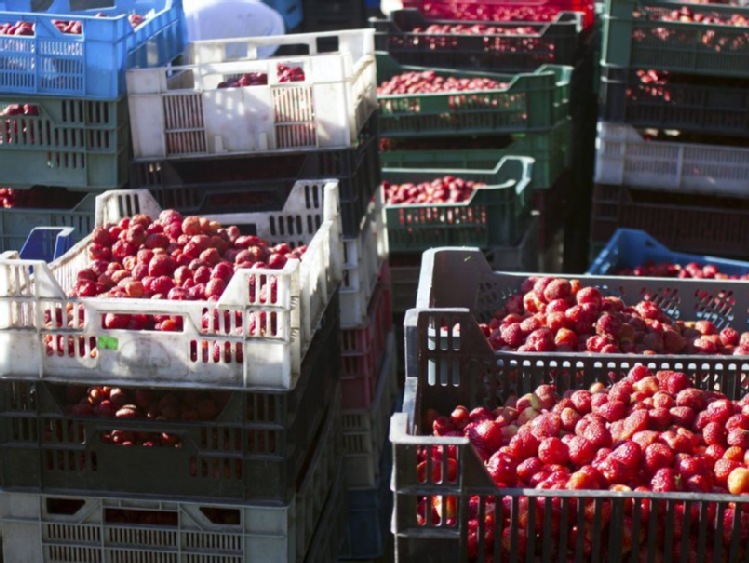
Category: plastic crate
[551,207]
[480,376]
[85,527]
[365,430]
[47,243]
[633,37]
[92,64]
[180,111]
[362,350]
[552,43]
[369,512]
[254,447]
[624,156]
[698,225]
[496,214]
[70,142]
[686,103]
[528,102]
[217,356]
[405,270]
[329,535]
[364,264]
[502,10]
[290,10]
[629,248]
[222,185]
[550,151]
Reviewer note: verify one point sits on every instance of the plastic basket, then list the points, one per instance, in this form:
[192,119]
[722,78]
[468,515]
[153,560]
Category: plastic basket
[180,112]
[687,103]
[86,527]
[480,376]
[496,215]
[634,38]
[365,431]
[625,157]
[550,151]
[364,265]
[255,446]
[328,539]
[363,349]
[530,102]
[222,185]
[197,357]
[405,269]
[502,10]
[47,243]
[369,512]
[67,142]
[92,64]
[557,43]
[629,248]
[698,225]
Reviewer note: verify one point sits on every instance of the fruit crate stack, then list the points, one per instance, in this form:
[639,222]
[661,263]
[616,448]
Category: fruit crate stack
[672,137]
[648,450]
[65,132]
[154,412]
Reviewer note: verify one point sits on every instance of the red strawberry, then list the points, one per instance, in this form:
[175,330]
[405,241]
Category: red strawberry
[720,411]
[486,436]
[629,453]
[683,416]
[585,478]
[738,437]
[621,391]
[570,417]
[595,432]
[657,456]
[665,480]
[722,469]
[502,468]
[679,443]
[660,419]
[611,411]
[623,430]
[581,451]
[673,382]
[582,401]
[639,372]
[739,421]
[524,444]
[714,433]
[614,471]
[546,426]
[645,437]
[663,400]
[693,398]
[687,466]
[528,468]
[553,451]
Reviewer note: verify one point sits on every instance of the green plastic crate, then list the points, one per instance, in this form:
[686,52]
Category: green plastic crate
[633,37]
[68,143]
[549,150]
[495,215]
[531,102]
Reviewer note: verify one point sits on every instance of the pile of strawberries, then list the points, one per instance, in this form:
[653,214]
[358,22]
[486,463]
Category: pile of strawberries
[447,189]
[473,29]
[69,27]
[430,82]
[644,433]
[556,315]
[479,11]
[286,73]
[692,270]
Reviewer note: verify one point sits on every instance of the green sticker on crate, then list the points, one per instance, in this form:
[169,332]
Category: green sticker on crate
[107,343]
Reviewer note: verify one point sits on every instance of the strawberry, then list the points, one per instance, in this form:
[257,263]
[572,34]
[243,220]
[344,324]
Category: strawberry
[614,471]
[502,468]
[553,450]
[621,391]
[581,451]
[738,437]
[720,411]
[693,398]
[683,416]
[714,433]
[658,456]
[570,417]
[586,478]
[665,480]
[486,436]
[595,432]
[645,437]
[528,468]
[639,372]
[722,469]
[660,419]
[673,382]
[623,430]
[582,401]
[629,453]
[688,466]
[524,444]
[663,400]
[546,426]
[611,411]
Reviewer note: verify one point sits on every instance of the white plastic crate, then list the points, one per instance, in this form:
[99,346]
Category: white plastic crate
[365,432]
[624,157]
[179,112]
[41,528]
[31,348]
[363,257]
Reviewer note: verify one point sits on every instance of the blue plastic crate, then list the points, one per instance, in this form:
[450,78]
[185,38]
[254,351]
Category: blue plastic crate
[48,243]
[290,10]
[369,512]
[629,248]
[90,65]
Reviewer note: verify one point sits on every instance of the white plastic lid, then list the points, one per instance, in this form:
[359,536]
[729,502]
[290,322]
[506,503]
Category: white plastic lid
[227,19]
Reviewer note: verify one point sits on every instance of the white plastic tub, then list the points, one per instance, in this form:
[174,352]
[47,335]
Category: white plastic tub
[270,357]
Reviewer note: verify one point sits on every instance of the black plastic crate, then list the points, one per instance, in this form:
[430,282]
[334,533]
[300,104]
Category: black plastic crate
[255,446]
[258,183]
[559,42]
[621,527]
[707,105]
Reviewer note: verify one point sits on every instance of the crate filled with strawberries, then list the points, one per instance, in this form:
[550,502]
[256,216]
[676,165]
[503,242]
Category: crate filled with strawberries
[512,46]
[502,10]
[632,252]
[226,102]
[84,54]
[423,101]
[154,297]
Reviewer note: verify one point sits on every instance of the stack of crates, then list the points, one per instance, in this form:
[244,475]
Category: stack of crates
[507,41]
[226,445]
[65,133]
[673,140]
